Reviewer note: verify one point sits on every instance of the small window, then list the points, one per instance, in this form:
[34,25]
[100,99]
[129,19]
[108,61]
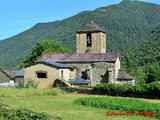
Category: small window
[41,75]
[89,40]
[62,74]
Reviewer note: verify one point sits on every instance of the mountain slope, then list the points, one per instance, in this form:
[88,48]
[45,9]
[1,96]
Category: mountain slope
[126,24]
[147,52]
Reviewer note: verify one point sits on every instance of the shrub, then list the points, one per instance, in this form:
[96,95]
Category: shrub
[151,90]
[53,92]
[20,85]
[21,114]
[23,92]
[121,104]
[30,84]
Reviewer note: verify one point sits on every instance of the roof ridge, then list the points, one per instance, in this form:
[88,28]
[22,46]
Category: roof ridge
[91,27]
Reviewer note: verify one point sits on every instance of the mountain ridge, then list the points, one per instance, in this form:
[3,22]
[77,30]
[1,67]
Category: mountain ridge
[126,24]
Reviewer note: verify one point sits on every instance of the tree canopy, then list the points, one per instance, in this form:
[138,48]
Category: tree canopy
[43,47]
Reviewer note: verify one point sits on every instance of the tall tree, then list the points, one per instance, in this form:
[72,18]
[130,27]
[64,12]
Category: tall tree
[153,74]
[42,47]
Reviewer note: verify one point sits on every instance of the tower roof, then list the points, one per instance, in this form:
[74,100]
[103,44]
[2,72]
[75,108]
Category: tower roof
[91,27]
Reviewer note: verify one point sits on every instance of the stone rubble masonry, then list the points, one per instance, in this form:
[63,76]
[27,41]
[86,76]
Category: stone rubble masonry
[98,71]
[98,43]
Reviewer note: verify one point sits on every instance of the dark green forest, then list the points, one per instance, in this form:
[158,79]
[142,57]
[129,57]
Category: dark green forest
[127,24]
[143,60]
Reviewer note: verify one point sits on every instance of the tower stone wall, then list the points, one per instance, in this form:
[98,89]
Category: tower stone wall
[98,40]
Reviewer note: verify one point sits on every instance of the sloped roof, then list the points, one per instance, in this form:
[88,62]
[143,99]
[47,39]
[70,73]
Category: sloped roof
[122,75]
[81,57]
[79,81]
[91,27]
[59,65]
[20,73]
[10,73]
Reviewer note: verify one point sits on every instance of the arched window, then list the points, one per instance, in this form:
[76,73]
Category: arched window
[89,40]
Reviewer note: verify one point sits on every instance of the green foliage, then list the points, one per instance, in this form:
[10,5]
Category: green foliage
[146,90]
[153,74]
[28,92]
[21,114]
[145,57]
[53,92]
[126,24]
[43,47]
[30,84]
[93,65]
[121,104]
[20,85]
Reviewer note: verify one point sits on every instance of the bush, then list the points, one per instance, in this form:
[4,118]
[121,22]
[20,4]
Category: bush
[151,90]
[20,85]
[53,92]
[23,92]
[121,104]
[30,84]
[21,114]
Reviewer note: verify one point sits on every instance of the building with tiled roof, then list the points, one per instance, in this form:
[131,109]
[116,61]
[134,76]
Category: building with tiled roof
[7,75]
[90,62]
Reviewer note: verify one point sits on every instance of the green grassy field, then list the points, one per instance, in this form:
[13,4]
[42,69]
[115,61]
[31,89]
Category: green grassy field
[60,105]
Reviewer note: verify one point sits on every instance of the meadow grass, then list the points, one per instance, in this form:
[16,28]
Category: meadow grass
[62,106]
[26,92]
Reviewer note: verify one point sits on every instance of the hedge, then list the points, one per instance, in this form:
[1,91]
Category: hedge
[151,90]
[121,104]
[8,113]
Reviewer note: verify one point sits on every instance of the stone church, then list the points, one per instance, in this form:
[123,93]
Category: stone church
[89,63]
[91,60]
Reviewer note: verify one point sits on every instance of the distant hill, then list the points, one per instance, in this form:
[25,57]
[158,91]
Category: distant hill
[147,52]
[126,24]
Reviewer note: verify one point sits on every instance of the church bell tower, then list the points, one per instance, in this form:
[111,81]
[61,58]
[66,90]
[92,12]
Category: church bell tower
[91,39]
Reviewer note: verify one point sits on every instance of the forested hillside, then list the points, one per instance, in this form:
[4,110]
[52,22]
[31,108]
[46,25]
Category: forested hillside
[143,60]
[146,53]
[126,24]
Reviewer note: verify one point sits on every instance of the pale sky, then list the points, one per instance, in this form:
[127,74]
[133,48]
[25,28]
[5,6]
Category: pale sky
[20,15]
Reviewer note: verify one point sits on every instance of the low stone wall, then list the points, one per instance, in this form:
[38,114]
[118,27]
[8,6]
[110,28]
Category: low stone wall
[78,90]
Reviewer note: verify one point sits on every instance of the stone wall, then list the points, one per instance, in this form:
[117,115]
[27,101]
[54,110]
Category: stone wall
[30,73]
[98,43]
[97,71]
[81,42]
[117,67]
[19,79]
[126,82]
[67,74]
[4,78]
[100,72]
[80,67]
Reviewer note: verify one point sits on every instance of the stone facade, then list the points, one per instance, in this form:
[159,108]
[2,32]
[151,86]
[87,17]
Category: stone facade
[7,75]
[19,79]
[98,41]
[98,72]
[52,73]
[91,60]
[4,78]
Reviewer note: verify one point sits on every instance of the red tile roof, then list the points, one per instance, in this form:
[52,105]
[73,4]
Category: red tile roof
[81,57]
